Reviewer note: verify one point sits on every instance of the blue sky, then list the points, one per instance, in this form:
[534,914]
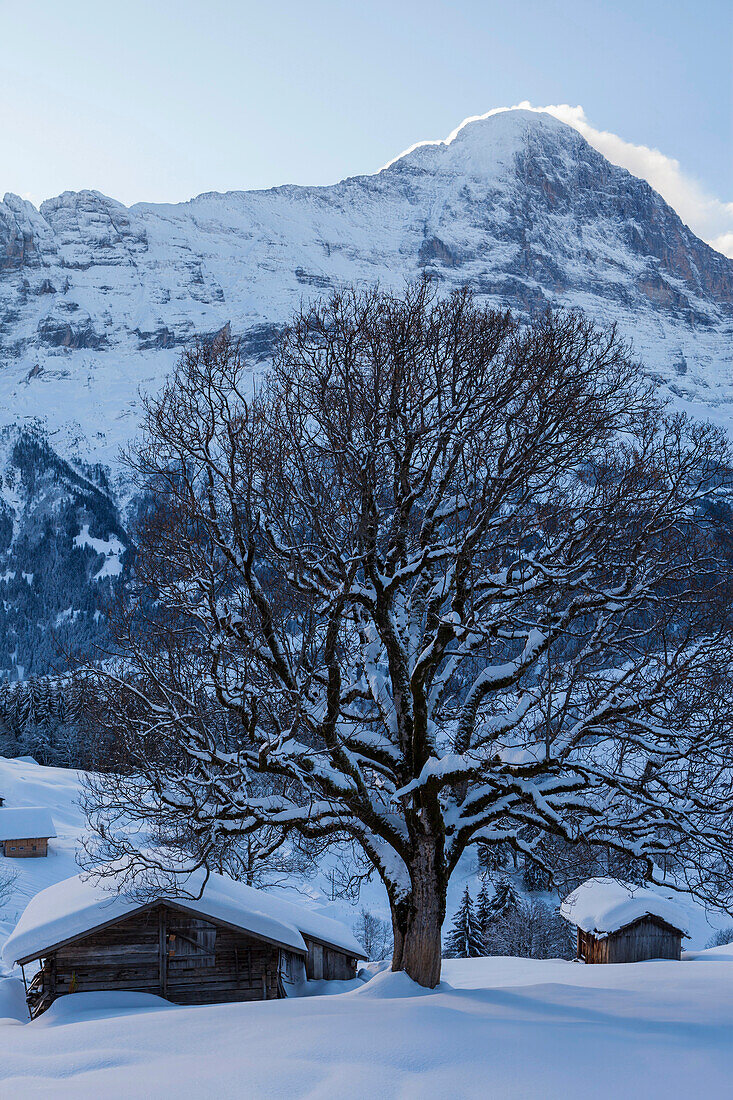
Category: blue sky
[161,100]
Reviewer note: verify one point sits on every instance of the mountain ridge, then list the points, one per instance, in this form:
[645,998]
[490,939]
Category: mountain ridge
[96,297]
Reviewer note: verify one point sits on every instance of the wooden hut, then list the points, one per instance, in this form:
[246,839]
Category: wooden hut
[619,922]
[233,943]
[25,831]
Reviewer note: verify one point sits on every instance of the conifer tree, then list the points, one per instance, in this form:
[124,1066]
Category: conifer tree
[506,900]
[492,858]
[464,940]
[483,910]
[25,708]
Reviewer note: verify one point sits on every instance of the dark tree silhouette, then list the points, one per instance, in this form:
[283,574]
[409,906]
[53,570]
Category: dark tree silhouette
[449,580]
[464,940]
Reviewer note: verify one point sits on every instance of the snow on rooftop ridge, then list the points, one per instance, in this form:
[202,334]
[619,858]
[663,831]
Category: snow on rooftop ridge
[77,905]
[311,924]
[23,823]
[605,905]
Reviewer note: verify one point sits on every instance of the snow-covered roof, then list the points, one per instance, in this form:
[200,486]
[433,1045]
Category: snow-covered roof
[312,925]
[604,905]
[22,823]
[77,905]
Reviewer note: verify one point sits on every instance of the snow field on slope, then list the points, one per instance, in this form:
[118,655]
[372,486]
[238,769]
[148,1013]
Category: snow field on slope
[24,783]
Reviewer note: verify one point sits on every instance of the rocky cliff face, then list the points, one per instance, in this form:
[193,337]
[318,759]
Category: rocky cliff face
[61,551]
[95,298]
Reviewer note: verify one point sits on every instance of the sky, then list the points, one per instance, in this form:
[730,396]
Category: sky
[161,100]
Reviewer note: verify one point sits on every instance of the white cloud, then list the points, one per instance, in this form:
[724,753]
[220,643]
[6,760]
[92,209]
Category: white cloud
[724,242]
[707,216]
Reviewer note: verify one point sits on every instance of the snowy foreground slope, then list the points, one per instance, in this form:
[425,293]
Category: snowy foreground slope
[495,1028]
[499,1028]
[96,299]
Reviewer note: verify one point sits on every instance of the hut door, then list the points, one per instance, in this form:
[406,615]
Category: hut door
[292,972]
[315,961]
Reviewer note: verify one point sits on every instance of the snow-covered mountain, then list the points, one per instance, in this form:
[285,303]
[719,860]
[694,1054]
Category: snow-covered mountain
[95,298]
[61,548]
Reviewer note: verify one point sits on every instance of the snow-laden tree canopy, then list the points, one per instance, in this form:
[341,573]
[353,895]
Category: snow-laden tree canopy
[447,580]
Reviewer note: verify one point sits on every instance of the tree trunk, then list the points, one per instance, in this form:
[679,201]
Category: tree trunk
[398,933]
[417,922]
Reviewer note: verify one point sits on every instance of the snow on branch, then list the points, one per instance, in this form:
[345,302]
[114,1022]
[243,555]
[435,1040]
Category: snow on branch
[442,579]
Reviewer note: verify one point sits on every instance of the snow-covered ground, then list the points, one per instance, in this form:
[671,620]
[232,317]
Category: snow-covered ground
[496,1027]
[500,1028]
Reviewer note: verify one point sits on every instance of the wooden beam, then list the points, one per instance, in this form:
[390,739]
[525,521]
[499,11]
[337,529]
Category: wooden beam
[162,953]
[25,986]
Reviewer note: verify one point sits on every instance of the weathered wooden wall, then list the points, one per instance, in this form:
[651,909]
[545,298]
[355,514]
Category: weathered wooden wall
[26,848]
[644,939]
[337,966]
[137,953]
[328,963]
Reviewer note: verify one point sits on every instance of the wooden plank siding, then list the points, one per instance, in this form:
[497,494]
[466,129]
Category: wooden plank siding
[26,847]
[323,962]
[138,953]
[646,938]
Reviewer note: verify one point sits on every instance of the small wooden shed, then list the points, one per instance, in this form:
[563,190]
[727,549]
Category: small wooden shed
[233,943]
[25,831]
[619,922]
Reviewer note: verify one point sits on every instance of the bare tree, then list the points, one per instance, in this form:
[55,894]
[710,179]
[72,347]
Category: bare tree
[7,882]
[450,581]
[374,934]
[530,931]
[722,938]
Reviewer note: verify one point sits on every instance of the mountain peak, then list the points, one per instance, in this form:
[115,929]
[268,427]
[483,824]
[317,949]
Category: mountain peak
[490,141]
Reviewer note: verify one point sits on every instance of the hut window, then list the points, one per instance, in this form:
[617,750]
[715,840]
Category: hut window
[292,967]
[191,944]
[286,965]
